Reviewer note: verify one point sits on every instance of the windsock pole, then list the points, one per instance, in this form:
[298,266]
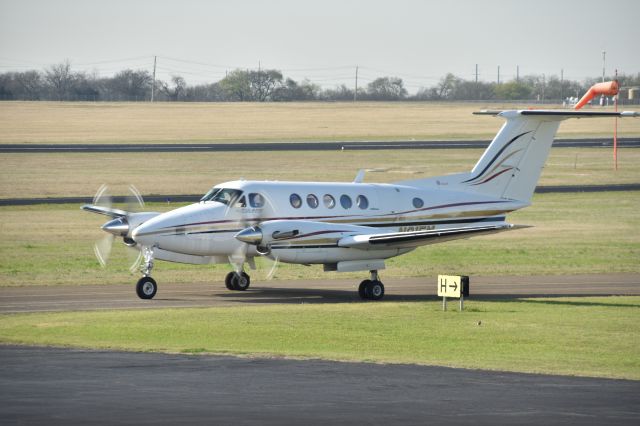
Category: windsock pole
[615,129]
[606,88]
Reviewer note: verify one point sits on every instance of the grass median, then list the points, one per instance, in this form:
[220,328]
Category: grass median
[586,336]
[575,233]
[51,175]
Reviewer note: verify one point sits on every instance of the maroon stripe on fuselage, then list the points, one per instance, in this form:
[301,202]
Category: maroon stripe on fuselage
[259,219]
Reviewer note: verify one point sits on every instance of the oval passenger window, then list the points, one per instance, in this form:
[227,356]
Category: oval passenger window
[295,200]
[362,202]
[329,201]
[345,202]
[312,201]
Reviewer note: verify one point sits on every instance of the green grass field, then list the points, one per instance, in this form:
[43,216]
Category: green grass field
[574,336]
[575,233]
[105,122]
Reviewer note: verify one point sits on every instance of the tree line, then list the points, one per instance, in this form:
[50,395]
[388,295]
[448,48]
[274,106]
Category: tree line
[60,83]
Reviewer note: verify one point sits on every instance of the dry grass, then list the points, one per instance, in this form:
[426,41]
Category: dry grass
[53,122]
[51,175]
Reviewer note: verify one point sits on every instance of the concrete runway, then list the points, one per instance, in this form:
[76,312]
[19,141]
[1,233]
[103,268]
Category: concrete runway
[99,297]
[51,386]
[295,146]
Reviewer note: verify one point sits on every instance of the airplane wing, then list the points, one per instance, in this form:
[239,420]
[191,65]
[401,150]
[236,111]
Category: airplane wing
[114,213]
[420,238]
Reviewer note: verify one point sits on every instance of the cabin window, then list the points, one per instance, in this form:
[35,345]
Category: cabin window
[242,202]
[312,201]
[418,203]
[345,202]
[296,201]
[329,201]
[362,202]
[256,200]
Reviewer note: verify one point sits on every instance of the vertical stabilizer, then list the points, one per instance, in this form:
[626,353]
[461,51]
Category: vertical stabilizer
[511,166]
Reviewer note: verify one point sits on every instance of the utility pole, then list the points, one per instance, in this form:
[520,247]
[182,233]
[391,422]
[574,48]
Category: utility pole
[604,54]
[476,94]
[355,92]
[258,65]
[562,84]
[153,84]
[498,74]
[544,83]
[518,73]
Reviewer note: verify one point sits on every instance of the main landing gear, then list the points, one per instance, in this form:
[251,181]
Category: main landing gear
[147,287]
[372,289]
[239,281]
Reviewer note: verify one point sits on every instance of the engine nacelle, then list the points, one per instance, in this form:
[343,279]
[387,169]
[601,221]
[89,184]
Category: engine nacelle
[288,231]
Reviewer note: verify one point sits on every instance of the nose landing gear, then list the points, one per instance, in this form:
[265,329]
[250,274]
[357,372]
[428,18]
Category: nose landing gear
[146,288]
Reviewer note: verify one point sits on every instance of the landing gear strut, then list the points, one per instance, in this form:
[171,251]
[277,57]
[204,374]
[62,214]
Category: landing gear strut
[239,281]
[147,287]
[371,289]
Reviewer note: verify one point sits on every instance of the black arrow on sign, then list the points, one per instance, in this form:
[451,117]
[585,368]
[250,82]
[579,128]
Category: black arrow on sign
[455,286]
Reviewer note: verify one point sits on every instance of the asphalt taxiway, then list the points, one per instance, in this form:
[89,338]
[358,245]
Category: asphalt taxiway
[53,386]
[171,295]
[243,146]
[70,386]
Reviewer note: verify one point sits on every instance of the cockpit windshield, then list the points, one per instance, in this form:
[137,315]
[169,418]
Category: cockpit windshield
[222,195]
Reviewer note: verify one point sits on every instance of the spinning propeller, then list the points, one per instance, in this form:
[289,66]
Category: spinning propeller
[248,219]
[119,226]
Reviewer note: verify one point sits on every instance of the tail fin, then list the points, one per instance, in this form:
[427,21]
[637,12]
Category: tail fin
[511,165]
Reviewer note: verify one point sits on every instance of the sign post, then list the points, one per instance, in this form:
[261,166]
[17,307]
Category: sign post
[453,286]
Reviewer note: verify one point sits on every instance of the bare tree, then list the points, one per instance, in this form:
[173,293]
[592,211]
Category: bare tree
[60,79]
[263,83]
[177,91]
[386,89]
[131,85]
[30,83]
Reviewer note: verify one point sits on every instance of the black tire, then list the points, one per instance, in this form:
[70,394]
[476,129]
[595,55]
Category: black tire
[240,281]
[146,288]
[227,280]
[375,290]
[362,289]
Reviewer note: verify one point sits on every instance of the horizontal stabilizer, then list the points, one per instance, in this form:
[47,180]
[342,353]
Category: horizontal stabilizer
[562,114]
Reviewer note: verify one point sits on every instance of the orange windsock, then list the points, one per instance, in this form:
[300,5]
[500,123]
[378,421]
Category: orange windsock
[607,88]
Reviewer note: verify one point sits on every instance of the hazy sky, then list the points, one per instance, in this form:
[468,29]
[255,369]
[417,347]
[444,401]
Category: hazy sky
[323,41]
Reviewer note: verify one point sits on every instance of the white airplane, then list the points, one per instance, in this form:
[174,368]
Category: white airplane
[350,226]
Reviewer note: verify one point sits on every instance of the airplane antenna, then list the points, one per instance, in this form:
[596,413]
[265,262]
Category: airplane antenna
[360,176]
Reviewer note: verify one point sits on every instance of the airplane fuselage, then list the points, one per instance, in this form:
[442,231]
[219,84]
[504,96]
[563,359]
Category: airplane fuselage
[332,210]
